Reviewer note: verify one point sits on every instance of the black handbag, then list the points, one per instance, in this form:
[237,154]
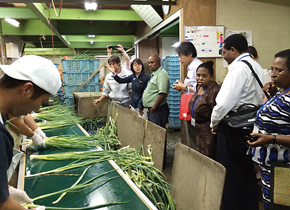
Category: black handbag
[246,114]
[244,118]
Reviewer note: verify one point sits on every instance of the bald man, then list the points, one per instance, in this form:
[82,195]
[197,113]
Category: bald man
[155,95]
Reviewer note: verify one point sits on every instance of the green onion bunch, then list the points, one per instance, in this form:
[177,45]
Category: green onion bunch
[57,116]
[139,167]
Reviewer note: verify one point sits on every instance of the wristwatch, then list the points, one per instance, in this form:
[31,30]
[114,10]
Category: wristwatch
[274,139]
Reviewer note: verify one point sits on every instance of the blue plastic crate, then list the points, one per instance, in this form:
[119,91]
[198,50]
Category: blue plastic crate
[70,89]
[174,104]
[81,65]
[174,122]
[173,69]
[174,97]
[172,57]
[77,78]
[172,80]
[174,111]
[174,93]
[175,74]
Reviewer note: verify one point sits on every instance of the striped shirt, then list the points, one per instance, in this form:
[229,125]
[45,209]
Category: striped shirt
[273,118]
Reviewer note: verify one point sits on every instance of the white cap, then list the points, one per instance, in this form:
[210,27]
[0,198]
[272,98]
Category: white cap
[41,71]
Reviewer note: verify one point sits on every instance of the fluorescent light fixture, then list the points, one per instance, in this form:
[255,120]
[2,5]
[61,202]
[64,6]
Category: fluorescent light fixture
[12,22]
[92,42]
[91,36]
[176,44]
[91,5]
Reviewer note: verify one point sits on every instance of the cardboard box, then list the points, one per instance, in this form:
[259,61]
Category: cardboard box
[84,105]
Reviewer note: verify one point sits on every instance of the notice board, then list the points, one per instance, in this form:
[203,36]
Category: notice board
[207,40]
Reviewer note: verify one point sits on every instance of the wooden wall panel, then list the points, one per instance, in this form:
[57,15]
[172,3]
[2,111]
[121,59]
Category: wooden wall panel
[147,48]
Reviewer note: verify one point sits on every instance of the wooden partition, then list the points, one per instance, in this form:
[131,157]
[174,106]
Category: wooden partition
[136,131]
[196,179]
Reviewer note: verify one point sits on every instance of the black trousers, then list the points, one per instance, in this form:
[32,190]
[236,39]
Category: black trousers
[160,116]
[240,190]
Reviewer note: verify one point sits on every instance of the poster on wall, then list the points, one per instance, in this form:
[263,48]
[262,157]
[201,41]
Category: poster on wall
[207,40]
[246,33]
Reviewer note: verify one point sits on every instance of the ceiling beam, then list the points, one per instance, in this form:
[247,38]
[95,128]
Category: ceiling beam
[104,2]
[49,51]
[72,14]
[100,15]
[65,51]
[100,39]
[41,12]
[26,27]
[103,45]
[16,13]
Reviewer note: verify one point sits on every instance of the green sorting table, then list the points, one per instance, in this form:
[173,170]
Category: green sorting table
[119,189]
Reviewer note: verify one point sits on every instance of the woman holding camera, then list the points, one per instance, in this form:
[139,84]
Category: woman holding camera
[272,127]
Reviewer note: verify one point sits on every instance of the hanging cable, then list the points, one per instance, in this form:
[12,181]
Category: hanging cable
[57,15]
[52,41]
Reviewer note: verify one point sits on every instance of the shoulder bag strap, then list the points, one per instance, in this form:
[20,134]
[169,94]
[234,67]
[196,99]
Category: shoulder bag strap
[256,76]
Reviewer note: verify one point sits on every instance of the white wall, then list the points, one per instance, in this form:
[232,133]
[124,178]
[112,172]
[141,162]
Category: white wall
[166,48]
[269,21]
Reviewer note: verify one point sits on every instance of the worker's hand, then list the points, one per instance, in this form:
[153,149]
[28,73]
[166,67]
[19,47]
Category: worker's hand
[40,208]
[96,101]
[109,50]
[37,140]
[120,47]
[141,112]
[41,133]
[213,131]
[19,195]
[111,68]
[152,109]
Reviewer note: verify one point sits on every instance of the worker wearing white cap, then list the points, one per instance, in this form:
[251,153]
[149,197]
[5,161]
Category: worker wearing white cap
[26,84]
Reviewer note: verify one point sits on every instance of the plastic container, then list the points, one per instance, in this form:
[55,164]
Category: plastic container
[174,122]
[77,78]
[70,89]
[81,65]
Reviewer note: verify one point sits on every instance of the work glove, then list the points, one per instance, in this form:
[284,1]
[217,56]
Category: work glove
[37,140]
[19,195]
[40,208]
[41,133]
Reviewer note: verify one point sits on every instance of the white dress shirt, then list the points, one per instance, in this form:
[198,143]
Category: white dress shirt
[239,87]
[190,80]
[119,93]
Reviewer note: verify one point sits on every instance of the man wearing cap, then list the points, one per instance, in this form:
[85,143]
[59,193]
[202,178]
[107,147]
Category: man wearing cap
[26,84]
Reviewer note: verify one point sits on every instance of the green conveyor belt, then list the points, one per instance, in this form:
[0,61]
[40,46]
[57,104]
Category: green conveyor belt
[116,190]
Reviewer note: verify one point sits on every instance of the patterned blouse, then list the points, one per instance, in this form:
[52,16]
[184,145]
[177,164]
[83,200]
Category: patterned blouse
[273,118]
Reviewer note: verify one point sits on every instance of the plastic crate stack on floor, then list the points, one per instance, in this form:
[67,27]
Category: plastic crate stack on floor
[75,72]
[172,65]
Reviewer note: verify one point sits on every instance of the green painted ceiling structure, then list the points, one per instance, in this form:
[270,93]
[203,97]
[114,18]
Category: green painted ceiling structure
[42,30]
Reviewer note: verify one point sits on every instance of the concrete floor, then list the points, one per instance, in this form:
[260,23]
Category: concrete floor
[173,136]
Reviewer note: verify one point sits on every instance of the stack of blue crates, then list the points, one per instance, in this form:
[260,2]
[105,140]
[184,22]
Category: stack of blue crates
[75,72]
[172,65]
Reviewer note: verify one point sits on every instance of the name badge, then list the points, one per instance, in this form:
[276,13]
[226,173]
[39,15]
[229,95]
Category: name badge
[192,121]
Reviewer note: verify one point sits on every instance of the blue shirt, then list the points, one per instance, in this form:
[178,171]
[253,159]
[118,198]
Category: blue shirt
[139,84]
[6,154]
[273,118]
